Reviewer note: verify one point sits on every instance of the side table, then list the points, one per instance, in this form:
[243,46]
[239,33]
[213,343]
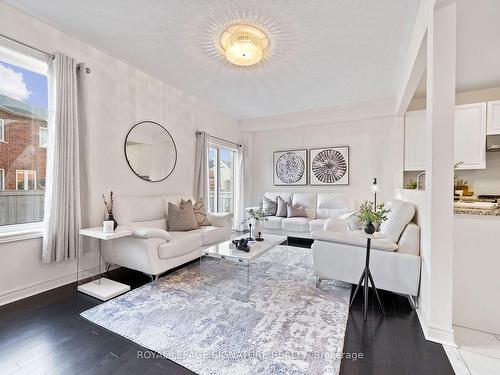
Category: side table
[103,288]
[366,275]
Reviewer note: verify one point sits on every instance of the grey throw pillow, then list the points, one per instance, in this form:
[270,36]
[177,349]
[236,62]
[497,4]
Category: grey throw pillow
[281,209]
[200,213]
[181,219]
[353,222]
[269,206]
[295,211]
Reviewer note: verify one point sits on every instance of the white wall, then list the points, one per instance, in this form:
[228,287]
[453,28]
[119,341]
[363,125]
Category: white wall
[373,151]
[119,96]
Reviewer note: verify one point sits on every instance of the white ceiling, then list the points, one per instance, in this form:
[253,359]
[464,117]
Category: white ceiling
[323,52]
[478,46]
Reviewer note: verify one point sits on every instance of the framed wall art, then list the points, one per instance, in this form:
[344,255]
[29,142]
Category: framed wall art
[290,167]
[329,166]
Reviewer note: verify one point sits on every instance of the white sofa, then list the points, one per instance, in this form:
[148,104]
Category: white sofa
[395,259]
[319,208]
[151,248]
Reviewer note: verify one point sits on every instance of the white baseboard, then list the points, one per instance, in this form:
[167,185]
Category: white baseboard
[37,288]
[440,335]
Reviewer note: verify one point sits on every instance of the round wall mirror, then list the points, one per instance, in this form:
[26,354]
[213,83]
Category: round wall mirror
[150,151]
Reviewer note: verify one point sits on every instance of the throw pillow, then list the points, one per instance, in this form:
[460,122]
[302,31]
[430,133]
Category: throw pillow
[269,206]
[353,222]
[295,211]
[281,209]
[200,213]
[181,219]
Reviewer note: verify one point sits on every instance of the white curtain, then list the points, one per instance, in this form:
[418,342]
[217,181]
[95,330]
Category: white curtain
[239,189]
[201,168]
[62,219]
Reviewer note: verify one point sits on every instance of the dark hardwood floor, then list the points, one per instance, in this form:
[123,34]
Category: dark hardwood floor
[45,334]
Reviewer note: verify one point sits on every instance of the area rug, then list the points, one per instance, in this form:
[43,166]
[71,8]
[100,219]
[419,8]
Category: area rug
[202,317]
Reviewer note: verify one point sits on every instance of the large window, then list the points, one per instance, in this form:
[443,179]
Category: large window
[220,179]
[23,137]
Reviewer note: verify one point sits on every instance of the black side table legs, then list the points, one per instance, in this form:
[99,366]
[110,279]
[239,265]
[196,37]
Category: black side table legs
[366,277]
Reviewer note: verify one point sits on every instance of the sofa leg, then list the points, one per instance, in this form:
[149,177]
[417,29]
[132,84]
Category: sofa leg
[108,266]
[413,302]
[154,278]
[318,281]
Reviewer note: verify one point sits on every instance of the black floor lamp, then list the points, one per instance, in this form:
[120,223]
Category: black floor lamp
[375,189]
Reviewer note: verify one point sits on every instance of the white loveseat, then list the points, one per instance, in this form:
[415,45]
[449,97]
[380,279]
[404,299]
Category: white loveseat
[151,248]
[395,259]
[319,208]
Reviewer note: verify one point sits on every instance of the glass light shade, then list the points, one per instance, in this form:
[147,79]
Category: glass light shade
[243,45]
[244,53]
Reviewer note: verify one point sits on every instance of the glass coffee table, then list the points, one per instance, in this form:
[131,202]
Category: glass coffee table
[228,252]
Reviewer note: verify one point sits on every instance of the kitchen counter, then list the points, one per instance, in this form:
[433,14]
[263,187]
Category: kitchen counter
[476,211]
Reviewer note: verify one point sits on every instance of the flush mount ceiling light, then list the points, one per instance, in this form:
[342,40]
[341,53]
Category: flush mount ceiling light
[243,45]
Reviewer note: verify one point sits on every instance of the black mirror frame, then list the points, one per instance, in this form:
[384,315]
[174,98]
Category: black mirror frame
[125,150]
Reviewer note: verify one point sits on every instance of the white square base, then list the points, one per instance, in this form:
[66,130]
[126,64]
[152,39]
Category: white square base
[105,290]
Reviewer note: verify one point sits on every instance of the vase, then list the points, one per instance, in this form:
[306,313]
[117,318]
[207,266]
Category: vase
[111,218]
[369,228]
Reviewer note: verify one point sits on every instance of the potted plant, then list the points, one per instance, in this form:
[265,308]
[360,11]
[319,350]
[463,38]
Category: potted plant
[371,218]
[412,184]
[253,217]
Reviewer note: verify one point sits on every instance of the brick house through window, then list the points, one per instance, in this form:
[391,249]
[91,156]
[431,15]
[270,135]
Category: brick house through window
[21,148]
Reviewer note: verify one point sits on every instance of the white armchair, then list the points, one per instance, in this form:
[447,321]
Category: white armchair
[394,263]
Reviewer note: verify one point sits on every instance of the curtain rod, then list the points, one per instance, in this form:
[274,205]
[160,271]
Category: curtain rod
[220,139]
[49,55]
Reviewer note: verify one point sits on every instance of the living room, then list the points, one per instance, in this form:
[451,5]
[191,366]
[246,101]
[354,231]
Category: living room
[140,139]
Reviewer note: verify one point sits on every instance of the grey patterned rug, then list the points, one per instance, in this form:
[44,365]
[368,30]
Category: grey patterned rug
[202,318]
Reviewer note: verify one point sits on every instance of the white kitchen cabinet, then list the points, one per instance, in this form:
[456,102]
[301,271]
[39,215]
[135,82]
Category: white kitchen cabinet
[470,135]
[493,123]
[415,141]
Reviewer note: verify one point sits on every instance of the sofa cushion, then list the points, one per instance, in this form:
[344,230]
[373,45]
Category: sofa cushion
[317,224]
[269,206]
[212,235]
[181,219]
[180,244]
[200,213]
[295,211]
[400,215]
[160,224]
[272,222]
[131,209]
[296,224]
[350,239]
[332,205]
[281,209]
[308,200]
[274,195]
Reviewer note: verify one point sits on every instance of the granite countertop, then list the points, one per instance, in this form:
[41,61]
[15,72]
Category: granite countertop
[477,211]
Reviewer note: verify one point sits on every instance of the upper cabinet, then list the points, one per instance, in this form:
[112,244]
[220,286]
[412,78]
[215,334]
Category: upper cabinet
[470,135]
[415,141]
[493,118]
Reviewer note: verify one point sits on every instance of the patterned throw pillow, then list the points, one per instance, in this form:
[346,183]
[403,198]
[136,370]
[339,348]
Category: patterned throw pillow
[353,222]
[200,213]
[295,211]
[181,219]
[281,210]
[269,206]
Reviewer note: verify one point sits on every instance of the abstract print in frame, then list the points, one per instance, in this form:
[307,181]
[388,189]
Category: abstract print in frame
[290,167]
[329,166]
